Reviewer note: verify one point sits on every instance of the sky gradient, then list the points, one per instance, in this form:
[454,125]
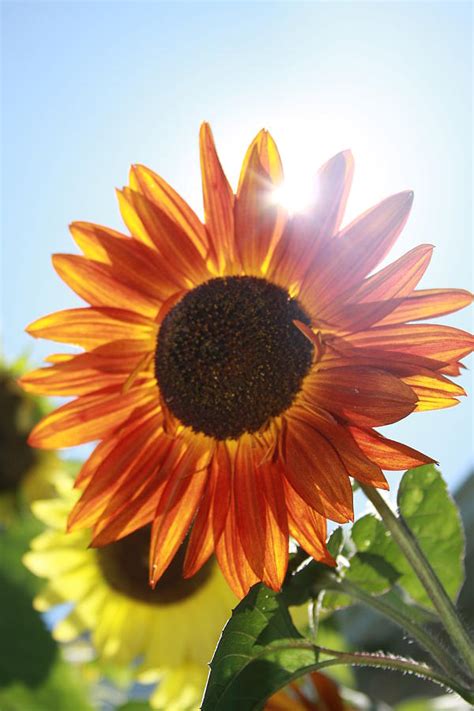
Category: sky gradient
[90,88]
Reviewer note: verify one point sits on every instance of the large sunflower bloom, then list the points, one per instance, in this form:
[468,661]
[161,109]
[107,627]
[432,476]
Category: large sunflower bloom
[171,630]
[234,370]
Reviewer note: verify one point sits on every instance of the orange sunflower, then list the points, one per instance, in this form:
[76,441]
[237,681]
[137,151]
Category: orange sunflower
[233,371]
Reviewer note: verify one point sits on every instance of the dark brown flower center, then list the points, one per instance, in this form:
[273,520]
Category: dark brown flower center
[229,356]
[18,414]
[124,565]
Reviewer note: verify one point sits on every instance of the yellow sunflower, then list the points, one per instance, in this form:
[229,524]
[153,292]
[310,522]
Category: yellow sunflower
[170,631]
[234,370]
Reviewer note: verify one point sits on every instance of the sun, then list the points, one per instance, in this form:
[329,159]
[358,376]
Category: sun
[295,194]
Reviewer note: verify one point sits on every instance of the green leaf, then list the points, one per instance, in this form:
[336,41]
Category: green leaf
[336,542]
[372,573]
[432,516]
[259,652]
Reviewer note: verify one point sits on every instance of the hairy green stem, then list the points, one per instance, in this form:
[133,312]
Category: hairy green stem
[395,663]
[418,633]
[426,575]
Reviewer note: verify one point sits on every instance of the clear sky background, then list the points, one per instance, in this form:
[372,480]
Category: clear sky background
[89,88]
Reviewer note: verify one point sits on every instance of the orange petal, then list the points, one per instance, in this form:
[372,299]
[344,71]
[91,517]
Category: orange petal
[157,190]
[346,260]
[434,391]
[99,285]
[387,453]
[134,263]
[69,378]
[276,554]
[362,395]
[315,471]
[265,147]
[333,184]
[327,692]
[210,519]
[88,418]
[356,463]
[177,505]
[258,219]
[91,327]
[306,232]
[429,303]
[397,279]
[124,458]
[250,506]
[307,526]
[218,203]
[442,343]
[144,217]
[133,504]
[232,559]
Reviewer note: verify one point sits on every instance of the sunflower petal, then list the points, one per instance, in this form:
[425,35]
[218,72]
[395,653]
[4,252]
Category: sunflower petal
[258,218]
[429,303]
[218,202]
[134,262]
[210,519]
[443,343]
[307,526]
[99,285]
[157,190]
[144,217]
[397,279]
[88,418]
[356,252]
[177,506]
[387,453]
[315,471]
[362,395]
[232,559]
[91,327]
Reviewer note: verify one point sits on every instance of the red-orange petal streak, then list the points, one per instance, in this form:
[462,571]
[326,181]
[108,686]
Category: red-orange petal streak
[99,285]
[315,471]
[156,189]
[88,418]
[218,203]
[387,453]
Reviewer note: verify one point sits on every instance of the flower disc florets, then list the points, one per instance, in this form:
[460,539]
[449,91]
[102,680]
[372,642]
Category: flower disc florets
[229,356]
[124,565]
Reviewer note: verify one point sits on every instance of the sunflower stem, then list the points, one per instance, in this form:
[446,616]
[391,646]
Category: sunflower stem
[426,575]
[418,633]
[408,666]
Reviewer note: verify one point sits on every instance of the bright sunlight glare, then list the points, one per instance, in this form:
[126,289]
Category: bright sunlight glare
[296,194]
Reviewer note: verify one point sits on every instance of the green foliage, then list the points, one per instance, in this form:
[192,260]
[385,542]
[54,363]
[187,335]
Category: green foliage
[33,676]
[431,514]
[259,652]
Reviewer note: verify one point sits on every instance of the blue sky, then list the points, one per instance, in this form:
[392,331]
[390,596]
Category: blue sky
[89,88]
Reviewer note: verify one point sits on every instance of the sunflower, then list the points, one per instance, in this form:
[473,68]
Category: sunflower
[234,371]
[171,631]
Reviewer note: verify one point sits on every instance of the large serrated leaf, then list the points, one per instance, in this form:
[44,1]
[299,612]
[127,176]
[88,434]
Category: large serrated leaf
[431,514]
[259,652]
